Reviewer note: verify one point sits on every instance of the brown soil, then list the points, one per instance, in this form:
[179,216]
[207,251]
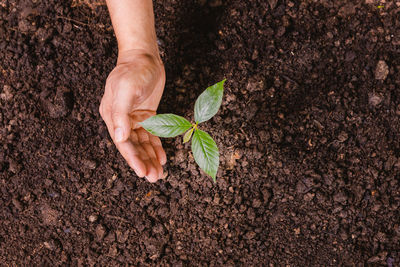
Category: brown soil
[308,134]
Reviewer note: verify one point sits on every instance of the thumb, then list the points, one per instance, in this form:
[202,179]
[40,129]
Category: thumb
[122,129]
[124,100]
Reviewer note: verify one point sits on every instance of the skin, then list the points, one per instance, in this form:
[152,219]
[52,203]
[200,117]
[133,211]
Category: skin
[134,87]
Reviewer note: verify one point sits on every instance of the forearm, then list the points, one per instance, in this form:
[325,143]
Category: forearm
[133,22]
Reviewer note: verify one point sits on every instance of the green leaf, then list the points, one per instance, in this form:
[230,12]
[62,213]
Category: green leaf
[166,125]
[208,103]
[205,152]
[188,135]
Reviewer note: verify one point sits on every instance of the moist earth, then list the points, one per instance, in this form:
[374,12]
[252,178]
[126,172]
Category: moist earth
[308,134]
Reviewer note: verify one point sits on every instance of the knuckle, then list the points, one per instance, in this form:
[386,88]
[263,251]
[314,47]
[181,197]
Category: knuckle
[115,114]
[123,82]
[118,116]
[104,110]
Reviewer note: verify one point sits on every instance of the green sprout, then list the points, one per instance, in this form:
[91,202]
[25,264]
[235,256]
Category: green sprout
[205,150]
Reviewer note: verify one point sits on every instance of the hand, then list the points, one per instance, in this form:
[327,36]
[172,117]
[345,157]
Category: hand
[132,93]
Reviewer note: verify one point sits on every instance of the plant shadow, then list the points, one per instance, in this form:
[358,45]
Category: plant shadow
[189,54]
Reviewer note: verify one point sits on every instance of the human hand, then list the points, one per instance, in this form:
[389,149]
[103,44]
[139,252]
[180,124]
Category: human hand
[132,93]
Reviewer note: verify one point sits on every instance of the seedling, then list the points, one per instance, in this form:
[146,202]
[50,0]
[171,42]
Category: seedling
[205,150]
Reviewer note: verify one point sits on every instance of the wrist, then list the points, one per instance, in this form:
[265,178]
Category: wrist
[135,41]
[128,55]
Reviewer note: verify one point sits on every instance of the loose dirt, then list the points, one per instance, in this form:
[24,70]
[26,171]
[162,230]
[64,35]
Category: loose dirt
[308,134]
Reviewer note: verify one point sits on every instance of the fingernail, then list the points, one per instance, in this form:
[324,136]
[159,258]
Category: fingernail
[119,134]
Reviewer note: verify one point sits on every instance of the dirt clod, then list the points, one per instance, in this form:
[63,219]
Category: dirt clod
[340,197]
[100,232]
[49,215]
[308,133]
[374,100]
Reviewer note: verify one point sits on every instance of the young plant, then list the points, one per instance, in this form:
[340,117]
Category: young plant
[204,148]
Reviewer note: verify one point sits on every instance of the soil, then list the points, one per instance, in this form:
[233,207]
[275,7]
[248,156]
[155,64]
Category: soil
[308,134]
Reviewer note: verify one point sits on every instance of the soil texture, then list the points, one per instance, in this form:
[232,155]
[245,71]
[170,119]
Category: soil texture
[308,134]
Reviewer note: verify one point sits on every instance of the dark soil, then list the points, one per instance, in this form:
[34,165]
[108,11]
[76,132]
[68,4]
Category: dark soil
[308,133]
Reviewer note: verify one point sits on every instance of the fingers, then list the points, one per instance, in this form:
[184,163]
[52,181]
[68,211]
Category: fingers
[133,91]
[106,115]
[132,155]
[121,123]
[157,146]
[151,174]
[139,116]
[130,149]
[156,171]
[123,101]
[137,150]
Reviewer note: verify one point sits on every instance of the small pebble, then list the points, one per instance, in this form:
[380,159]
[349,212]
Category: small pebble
[50,245]
[92,218]
[382,70]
